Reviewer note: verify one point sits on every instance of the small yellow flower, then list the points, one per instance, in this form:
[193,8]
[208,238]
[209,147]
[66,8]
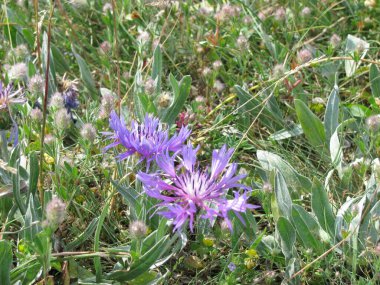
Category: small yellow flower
[48,159]
[21,247]
[208,242]
[252,253]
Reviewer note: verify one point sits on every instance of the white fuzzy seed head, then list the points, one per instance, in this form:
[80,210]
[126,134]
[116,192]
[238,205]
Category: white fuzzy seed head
[216,65]
[49,139]
[206,71]
[36,84]
[280,14]
[373,123]
[267,187]
[318,100]
[107,8]
[36,115]
[143,37]
[55,211]
[370,3]
[306,12]
[88,132]
[57,101]
[165,99]
[304,55]
[138,229]
[219,86]
[62,119]
[18,71]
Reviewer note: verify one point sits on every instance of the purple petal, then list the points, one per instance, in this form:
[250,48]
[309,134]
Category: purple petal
[220,159]
[189,156]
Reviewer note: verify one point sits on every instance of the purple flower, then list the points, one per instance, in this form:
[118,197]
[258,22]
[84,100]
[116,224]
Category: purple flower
[70,98]
[147,139]
[8,96]
[232,266]
[186,190]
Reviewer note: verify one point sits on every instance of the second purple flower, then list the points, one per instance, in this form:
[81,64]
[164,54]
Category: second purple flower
[147,139]
[186,190]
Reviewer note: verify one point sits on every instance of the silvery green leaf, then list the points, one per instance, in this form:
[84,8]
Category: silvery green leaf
[354,44]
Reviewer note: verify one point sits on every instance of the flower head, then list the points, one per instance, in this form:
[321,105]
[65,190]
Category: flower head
[232,266]
[36,84]
[304,55]
[18,71]
[36,115]
[165,99]
[62,119]
[57,101]
[147,139]
[186,190]
[278,70]
[216,65]
[105,47]
[280,14]
[306,12]
[373,122]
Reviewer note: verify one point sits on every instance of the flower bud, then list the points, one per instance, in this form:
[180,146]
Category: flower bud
[105,47]
[88,132]
[335,40]
[305,12]
[55,211]
[107,8]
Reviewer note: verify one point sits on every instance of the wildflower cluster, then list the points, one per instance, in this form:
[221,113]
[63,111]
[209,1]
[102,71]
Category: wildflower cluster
[185,189]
